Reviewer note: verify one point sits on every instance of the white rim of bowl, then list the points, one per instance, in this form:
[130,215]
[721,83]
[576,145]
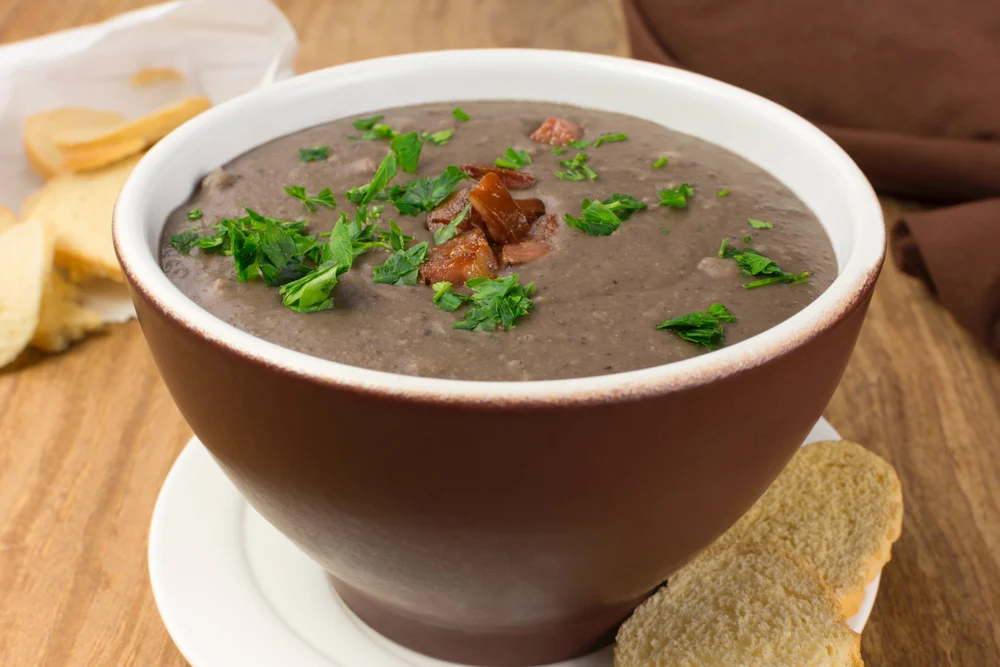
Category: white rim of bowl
[856,278]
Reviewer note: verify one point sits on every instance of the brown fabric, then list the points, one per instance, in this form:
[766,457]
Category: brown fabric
[907,87]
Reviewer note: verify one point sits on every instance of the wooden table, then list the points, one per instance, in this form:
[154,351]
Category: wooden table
[86,438]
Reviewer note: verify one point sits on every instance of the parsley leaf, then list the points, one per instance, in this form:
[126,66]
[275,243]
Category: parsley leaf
[754,263]
[624,205]
[558,150]
[194,214]
[423,194]
[724,192]
[280,255]
[402,266]
[439,138]
[603,218]
[609,138]
[446,233]
[513,159]
[459,114]
[661,162]
[703,329]
[365,194]
[407,149]
[576,169]
[597,220]
[324,198]
[362,124]
[445,299]
[760,224]
[748,239]
[578,144]
[186,240]
[311,292]
[676,197]
[315,154]
[496,303]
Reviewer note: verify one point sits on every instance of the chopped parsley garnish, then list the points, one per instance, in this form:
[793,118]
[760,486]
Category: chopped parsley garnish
[601,218]
[439,138]
[760,224]
[413,197]
[703,329]
[724,192]
[324,198]
[664,231]
[577,169]
[496,302]
[558,150]
[315,154]
[661,162]
[402,266]
[513,159]
[445,299]
[186,240]
[423,194]
[747,239]
[676,197]
[195,214]
[365,194]
[578,144]
[753,263]
[610,138]
[311,292]
[362,124]
[371,129]
[407,149]
[459,114]
[446,233]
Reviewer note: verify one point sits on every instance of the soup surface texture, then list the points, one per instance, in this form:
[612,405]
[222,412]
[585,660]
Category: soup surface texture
[598,299]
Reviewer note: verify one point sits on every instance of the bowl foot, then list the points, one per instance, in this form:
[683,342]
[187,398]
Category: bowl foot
[510,647]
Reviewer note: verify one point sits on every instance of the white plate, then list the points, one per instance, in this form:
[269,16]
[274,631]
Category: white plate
[232,590]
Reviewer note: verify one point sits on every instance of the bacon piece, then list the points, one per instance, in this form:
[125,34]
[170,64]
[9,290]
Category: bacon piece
[557,132]
[466,256]
[536,244]
[511,178]
[524,252]
[504,220]
[449,208]
[544,228]
[532,208]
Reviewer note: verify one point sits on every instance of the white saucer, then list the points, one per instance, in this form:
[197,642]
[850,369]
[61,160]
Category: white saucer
[232,590]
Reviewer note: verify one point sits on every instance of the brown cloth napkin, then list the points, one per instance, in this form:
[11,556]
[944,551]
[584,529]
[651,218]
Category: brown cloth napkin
[909,88]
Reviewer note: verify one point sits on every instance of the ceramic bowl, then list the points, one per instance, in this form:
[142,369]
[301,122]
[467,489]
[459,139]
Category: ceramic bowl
[487,522]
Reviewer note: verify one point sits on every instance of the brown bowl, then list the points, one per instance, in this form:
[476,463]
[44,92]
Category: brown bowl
[486,522]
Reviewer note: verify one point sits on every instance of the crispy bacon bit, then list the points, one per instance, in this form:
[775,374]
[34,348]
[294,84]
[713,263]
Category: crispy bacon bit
[511,178]
[505,221]
[532,208]
[524,252]
[557,132]
[544,228]
[466,256]
[449,208]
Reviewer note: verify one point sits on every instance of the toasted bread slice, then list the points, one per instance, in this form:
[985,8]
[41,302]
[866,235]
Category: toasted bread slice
[79,208]
[7,218]
[41,130]
[25,267]
[837,506]
[62,319]
[746,605]
[79,144]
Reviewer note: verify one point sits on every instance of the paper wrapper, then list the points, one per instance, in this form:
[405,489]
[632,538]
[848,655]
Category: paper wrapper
[222,47]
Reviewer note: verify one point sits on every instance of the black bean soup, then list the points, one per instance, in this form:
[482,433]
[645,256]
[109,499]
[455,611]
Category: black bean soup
[592,243]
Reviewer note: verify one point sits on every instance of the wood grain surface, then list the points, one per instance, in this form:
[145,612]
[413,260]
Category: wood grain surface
[86,438]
